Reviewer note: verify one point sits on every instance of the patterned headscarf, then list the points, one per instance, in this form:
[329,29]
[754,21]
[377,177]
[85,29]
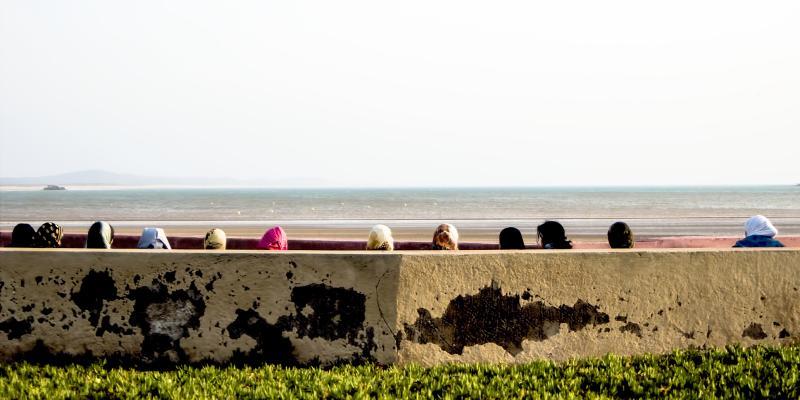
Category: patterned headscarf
[49,235]
[215,240]
[101,236]
[445,238]
[380,238]
[153,238]
[274,239]
[23,235]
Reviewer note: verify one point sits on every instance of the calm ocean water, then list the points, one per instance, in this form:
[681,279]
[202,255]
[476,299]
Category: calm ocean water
[662,210]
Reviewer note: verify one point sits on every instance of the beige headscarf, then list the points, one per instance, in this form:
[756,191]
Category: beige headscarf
[380,238]
[215,240]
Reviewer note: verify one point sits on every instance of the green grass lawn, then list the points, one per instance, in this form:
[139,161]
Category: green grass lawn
[756,372]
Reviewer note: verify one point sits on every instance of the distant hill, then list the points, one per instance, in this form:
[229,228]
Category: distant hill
[107,178]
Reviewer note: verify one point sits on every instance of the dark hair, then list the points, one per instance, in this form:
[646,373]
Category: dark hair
[94,240]
[553,236]
[511,239]
[620,236]
[23,235]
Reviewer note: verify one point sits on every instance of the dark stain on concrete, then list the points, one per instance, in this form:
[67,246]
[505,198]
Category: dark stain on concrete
[15,329]
[210,285]
[632,328]
[327,312]
[96,287]
[754,331]
[271,346]
[107,326]
[164,319]
[491,317]
[320,311]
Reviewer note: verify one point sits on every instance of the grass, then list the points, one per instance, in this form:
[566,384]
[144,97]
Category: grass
[735,372]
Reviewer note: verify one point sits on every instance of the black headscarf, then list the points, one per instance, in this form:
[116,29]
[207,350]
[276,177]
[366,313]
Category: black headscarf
[511,239]
[553,236]
[101,236]
[23,235]
[620,236]
[49,235]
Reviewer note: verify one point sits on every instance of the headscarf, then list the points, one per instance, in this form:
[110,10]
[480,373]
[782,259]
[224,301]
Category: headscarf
[215,240]
[759,225]
[511,239]
[620,236]
[100,236]
[23,235]
[445,238]
[380,238]
[274,239]
[553,236]
[153,238]
[49,235]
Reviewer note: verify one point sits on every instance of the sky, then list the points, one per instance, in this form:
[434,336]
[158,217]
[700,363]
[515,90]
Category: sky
[412,93]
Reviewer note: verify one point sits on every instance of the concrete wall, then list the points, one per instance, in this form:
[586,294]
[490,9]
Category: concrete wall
[164,307]
[299,308]
[515,307]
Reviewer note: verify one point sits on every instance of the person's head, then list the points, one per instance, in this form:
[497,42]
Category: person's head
[274,239]
[49,235]
[445,237]
[23,235]
[620,236]
[380,238]
[215,240]
[552,236]
[100,236]
[511,239]
[153,238]
[759,225]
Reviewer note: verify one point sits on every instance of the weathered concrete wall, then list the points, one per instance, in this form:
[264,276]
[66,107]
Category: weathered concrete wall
[160,307]
[515,307]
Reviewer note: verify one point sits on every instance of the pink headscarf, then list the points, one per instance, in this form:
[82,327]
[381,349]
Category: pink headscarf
[274,239]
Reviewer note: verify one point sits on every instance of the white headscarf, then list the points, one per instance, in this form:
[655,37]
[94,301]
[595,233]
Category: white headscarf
[759,225]
[153,238]
[380,238]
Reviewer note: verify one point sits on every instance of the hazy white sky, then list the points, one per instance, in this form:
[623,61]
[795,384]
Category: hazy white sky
[404,93]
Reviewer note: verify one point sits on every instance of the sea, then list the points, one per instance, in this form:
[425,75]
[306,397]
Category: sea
[584,211]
